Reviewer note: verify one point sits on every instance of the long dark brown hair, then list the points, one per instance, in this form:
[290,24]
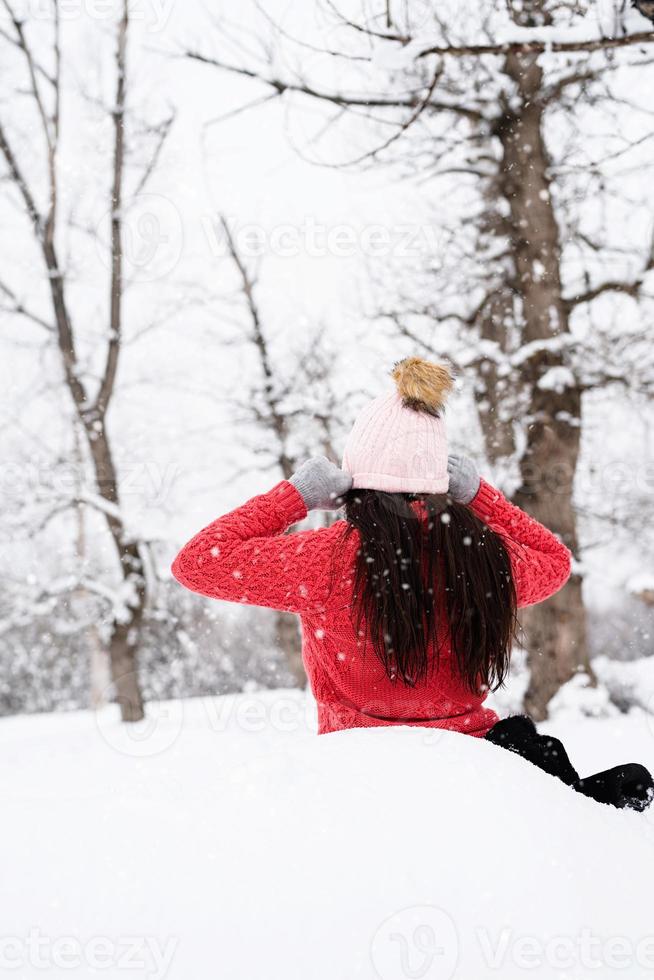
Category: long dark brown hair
[419,563]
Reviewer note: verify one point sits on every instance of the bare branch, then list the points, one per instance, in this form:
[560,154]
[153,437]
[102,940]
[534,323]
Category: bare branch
[161,133]
[406,331]
[368,31]
[261,100]
[277,420]
[55,278]
[20,310]
[116,286]
[346,101]
[402,127]
[32,70]
[540,47]
[628,288]
[39,69]
[19,180]
[305,45]
[631,288]
[555,91]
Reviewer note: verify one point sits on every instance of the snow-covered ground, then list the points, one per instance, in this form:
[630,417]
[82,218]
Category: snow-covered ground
[225,839]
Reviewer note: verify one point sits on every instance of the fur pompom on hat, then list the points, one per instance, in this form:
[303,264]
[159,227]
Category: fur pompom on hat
[399,443]
[422,385]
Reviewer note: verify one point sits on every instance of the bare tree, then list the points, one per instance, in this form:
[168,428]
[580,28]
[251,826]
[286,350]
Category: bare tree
[272,408]
[99,665]
[91,398]
[437,104]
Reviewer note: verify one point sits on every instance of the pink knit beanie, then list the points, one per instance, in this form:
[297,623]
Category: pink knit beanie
[399,443]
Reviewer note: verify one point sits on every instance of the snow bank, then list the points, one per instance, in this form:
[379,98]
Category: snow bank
[630,683]
[226,839]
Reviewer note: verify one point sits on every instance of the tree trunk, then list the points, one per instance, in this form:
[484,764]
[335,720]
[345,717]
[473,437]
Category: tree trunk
[123,649]
[125,632]
[100,677]
[556,629]
[100,671]
[493,387]
[289,641]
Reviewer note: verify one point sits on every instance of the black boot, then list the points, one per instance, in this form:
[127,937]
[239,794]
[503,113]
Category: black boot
[519,734]
[511,732]
[630,786]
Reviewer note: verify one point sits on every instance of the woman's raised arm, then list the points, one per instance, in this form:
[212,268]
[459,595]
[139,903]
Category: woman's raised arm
[540,561]
[245,556]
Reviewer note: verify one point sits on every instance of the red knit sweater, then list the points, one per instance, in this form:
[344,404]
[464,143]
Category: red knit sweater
[245,557]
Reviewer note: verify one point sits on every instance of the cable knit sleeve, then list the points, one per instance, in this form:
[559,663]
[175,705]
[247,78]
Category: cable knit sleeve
[540,562]
[245,556]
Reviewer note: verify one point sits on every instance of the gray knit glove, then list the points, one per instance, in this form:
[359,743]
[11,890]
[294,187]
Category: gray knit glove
[464,479]
[321,484]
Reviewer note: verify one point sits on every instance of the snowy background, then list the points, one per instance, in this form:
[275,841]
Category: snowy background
[219,836]
[186,448]
[186,441]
